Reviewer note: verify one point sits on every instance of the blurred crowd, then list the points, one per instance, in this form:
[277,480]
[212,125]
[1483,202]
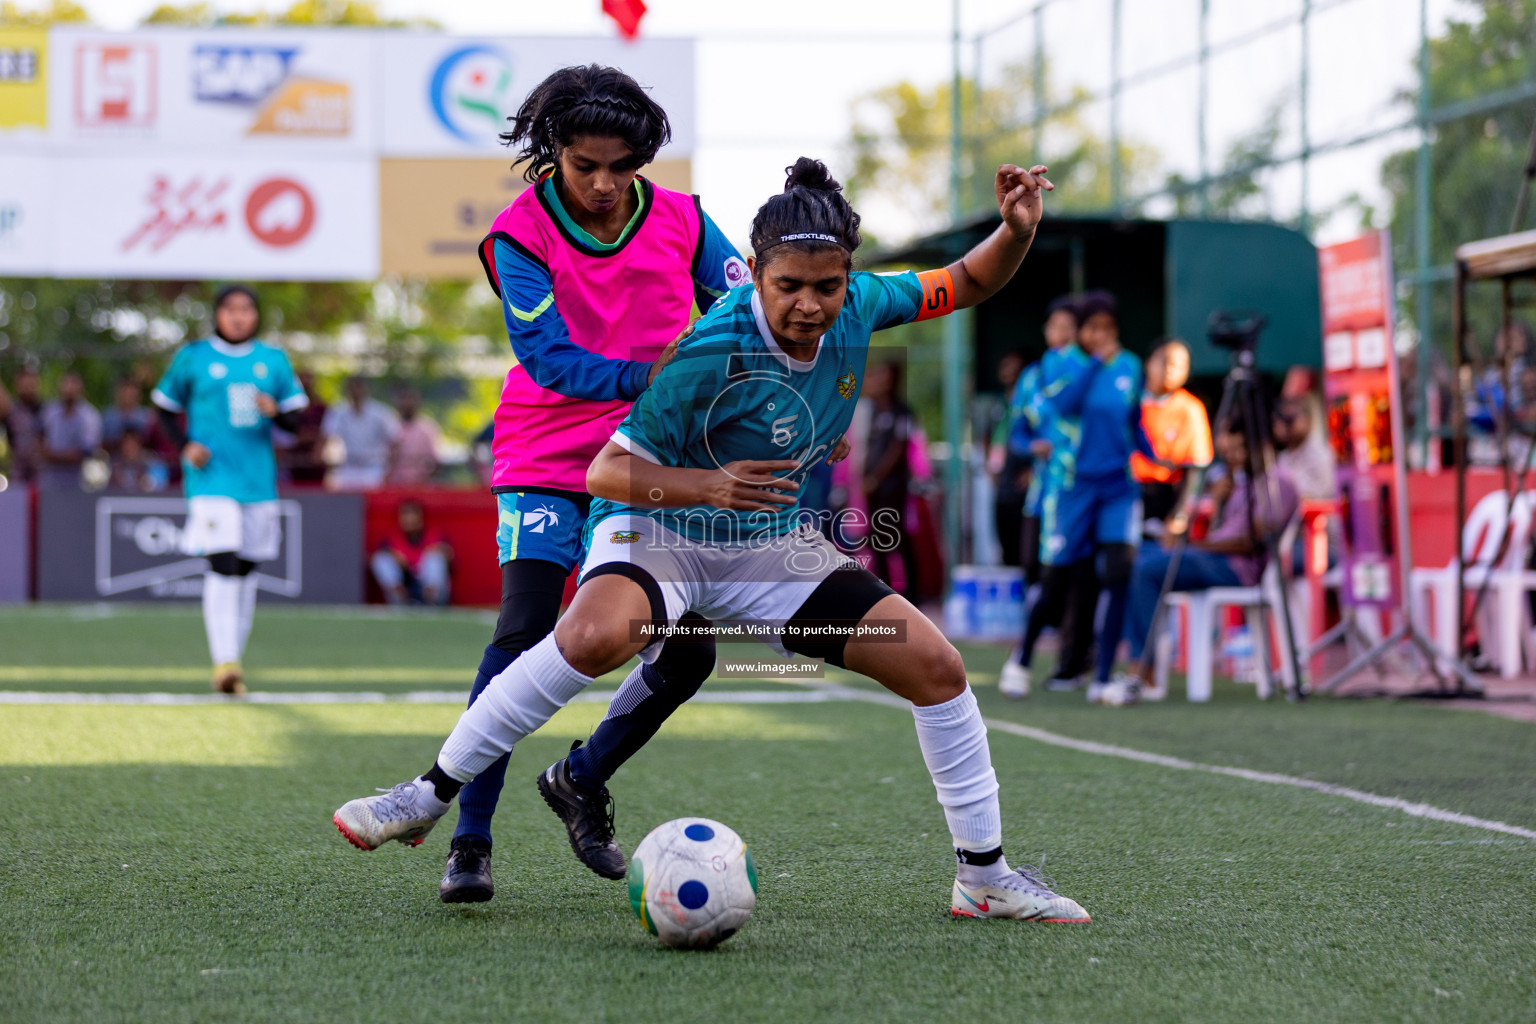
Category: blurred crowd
[56,439]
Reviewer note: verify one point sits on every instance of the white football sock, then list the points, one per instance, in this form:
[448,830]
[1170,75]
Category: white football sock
[247,610]
[523,697]
[221,616]
[954,743]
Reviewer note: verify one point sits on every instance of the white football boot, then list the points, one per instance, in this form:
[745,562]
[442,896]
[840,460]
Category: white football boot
[405,814]
[1118,692]
[1013,680]
[1022,895]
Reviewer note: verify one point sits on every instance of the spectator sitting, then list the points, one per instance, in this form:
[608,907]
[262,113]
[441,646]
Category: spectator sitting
[412,563]
[71,431]
[1177,428]
[1303,453]
[414,459]
[299,452]
[126,413]
[23,426]
[1229,556]
[135,468]
[366,430]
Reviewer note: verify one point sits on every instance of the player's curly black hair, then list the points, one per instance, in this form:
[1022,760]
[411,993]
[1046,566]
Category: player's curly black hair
[586,100]
[809,215]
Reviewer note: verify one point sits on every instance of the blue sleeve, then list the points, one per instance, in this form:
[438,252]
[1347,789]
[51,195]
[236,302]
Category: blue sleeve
[886,300]
[542,342]
[1026,424]
[174,390]
[717,266]
[1068,382]
[286,389]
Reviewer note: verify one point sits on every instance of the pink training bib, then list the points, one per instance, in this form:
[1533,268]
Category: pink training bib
[625,303]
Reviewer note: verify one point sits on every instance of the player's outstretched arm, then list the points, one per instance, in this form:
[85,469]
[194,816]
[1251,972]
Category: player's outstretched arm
[746,486]
[980,273]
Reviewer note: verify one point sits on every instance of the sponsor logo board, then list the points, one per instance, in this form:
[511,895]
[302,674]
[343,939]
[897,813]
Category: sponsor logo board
[433,213]
[23,78]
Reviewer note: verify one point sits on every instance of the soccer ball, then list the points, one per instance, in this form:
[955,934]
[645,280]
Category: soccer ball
[692,883]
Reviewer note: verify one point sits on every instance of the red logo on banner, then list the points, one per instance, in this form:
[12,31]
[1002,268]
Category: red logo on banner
[280,212]
[115,86]
[195,206]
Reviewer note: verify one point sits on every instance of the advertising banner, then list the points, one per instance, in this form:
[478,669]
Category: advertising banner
[451,96]
[434,212]
[1360,387]
[26,204]
[23,84]
[203,91]
[196,218]
[101,547]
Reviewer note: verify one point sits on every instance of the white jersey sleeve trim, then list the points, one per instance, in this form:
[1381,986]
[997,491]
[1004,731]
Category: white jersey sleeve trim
[165,401]
[293,403]
[634,447]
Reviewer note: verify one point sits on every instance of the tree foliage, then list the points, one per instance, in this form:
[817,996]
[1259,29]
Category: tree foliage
[1475,161]
[56,12]
[901,137]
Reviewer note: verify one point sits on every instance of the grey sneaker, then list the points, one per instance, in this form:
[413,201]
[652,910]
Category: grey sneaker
[1024,895]
[405,813]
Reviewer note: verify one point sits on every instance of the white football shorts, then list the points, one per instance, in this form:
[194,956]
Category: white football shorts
[216,524]
[758,585]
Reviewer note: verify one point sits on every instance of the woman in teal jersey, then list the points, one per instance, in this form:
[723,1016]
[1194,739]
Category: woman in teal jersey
[697,492]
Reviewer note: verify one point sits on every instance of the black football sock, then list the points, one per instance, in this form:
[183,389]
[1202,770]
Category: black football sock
[443,784]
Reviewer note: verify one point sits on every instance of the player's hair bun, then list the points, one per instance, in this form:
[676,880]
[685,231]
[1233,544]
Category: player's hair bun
[810,173]
[810,214]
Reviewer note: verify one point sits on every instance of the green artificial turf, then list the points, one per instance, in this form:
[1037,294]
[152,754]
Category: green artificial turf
[178,863]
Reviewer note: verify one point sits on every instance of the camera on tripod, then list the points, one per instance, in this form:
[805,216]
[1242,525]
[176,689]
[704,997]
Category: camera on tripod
[1236,329]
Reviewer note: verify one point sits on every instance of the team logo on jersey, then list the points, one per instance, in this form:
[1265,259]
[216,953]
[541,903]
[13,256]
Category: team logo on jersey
[539,518]
[624,536]
[218,371]
[736,273]
[846,383]
[261,370]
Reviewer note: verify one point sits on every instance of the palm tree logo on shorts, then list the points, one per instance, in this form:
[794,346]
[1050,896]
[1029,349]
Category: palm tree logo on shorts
[539,518]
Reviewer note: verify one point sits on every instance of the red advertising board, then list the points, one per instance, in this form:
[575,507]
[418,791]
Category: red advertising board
[1365,423]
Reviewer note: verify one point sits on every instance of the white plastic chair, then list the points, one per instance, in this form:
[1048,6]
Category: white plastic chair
[1201,608]
[1503,620]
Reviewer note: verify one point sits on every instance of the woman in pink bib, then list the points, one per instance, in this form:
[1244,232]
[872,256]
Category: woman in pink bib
[598,270]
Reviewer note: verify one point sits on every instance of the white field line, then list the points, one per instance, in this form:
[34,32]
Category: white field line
[365,697]
[817,695]
[1417,810]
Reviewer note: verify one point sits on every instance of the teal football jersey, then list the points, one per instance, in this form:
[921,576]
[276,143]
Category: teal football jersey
[732,393]
[216,385]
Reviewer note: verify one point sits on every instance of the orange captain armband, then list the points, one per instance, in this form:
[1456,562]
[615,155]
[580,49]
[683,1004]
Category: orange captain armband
[938,294]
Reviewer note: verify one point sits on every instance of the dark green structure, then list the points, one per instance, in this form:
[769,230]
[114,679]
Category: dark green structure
[1167,275]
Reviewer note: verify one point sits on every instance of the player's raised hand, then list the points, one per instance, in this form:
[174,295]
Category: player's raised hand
[751,486]
[1019,197]
[840,451]
[266,404]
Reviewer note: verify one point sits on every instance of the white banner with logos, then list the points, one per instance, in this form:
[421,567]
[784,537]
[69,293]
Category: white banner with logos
[212,91]
[446,95]
[26,205]
[255,153]
[170,218]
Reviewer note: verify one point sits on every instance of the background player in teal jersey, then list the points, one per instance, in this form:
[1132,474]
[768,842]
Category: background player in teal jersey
[231,388]
[697,493]
[1048,439]
[1093,508]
